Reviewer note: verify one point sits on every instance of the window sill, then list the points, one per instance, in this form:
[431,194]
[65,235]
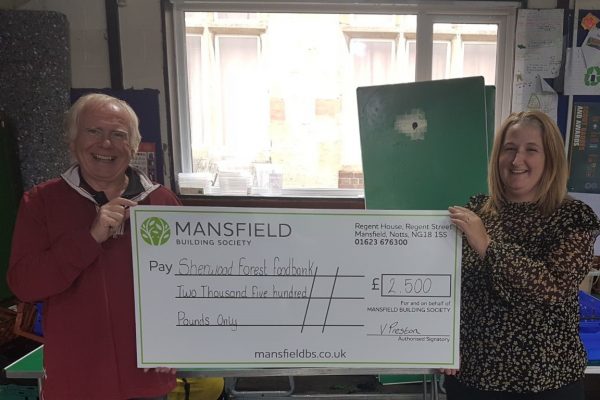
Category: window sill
[256,192]
[274,202]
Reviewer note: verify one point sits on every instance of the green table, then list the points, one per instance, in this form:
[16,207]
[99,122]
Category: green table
[28,366]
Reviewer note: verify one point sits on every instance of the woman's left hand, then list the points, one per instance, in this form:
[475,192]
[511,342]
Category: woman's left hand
[448,371]
[472,226]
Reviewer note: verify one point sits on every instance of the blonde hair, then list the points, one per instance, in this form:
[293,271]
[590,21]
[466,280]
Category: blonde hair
[551,190]
[96,101]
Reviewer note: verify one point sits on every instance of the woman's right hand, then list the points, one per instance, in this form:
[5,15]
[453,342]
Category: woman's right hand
[448,371]
[472,226]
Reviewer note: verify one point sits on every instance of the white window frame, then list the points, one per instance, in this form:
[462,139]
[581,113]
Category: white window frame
[502,13]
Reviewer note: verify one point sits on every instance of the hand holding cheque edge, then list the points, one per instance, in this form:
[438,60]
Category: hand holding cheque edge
[472,227]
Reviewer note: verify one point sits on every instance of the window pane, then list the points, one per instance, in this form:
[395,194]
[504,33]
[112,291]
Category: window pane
[440,60]
[370,20]
[195,87]
[275,93]
[242,96]
[480,60]
[284,100]
[471,50]
[222,16]
[372,61]
[411,47]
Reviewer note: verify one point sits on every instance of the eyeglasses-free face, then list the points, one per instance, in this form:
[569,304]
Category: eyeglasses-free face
[102,146]
[521,163]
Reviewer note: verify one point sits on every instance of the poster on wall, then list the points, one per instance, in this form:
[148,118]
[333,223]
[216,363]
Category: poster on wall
[145,160]
[582,71]
[584,152]
[538,56]
[584,156]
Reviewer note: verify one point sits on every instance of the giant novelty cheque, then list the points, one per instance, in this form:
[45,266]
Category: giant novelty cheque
[241,288]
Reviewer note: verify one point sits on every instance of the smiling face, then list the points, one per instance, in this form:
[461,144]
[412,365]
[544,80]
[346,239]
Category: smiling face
[102,146]
[521,162]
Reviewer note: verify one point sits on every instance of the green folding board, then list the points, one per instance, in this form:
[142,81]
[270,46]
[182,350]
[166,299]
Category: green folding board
[490,110]
[425,144]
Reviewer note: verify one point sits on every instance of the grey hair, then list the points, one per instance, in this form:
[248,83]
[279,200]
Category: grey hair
[98,100]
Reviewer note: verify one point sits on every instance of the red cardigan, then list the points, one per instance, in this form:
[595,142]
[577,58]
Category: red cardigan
[87,290]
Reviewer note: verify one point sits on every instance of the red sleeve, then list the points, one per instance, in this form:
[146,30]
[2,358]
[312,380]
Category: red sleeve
[40,266]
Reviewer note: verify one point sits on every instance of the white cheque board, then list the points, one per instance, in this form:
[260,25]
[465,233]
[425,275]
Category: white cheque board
[246,288]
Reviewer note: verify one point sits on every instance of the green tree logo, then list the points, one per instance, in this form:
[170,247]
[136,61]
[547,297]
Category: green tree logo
[155,231]
[592,76]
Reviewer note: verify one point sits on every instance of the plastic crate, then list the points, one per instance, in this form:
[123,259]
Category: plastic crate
[18,392]
[591,342]
[589,307]
[37,322]
[589,325]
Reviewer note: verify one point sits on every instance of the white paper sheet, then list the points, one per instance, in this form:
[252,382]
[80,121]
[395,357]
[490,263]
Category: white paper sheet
[538,55]
[582,71]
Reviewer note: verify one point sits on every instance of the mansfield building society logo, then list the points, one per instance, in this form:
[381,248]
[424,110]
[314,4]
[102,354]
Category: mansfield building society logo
[155,231]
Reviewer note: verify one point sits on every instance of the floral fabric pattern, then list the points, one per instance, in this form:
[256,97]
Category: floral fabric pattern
[520,309]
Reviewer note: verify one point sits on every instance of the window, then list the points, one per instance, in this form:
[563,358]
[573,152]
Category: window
[473,48]
[372,61]
[266,98]
[242,92]
[440,59]
[479,58]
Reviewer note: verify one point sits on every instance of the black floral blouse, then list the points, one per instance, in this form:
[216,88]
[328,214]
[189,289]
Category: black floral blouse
[520,309]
